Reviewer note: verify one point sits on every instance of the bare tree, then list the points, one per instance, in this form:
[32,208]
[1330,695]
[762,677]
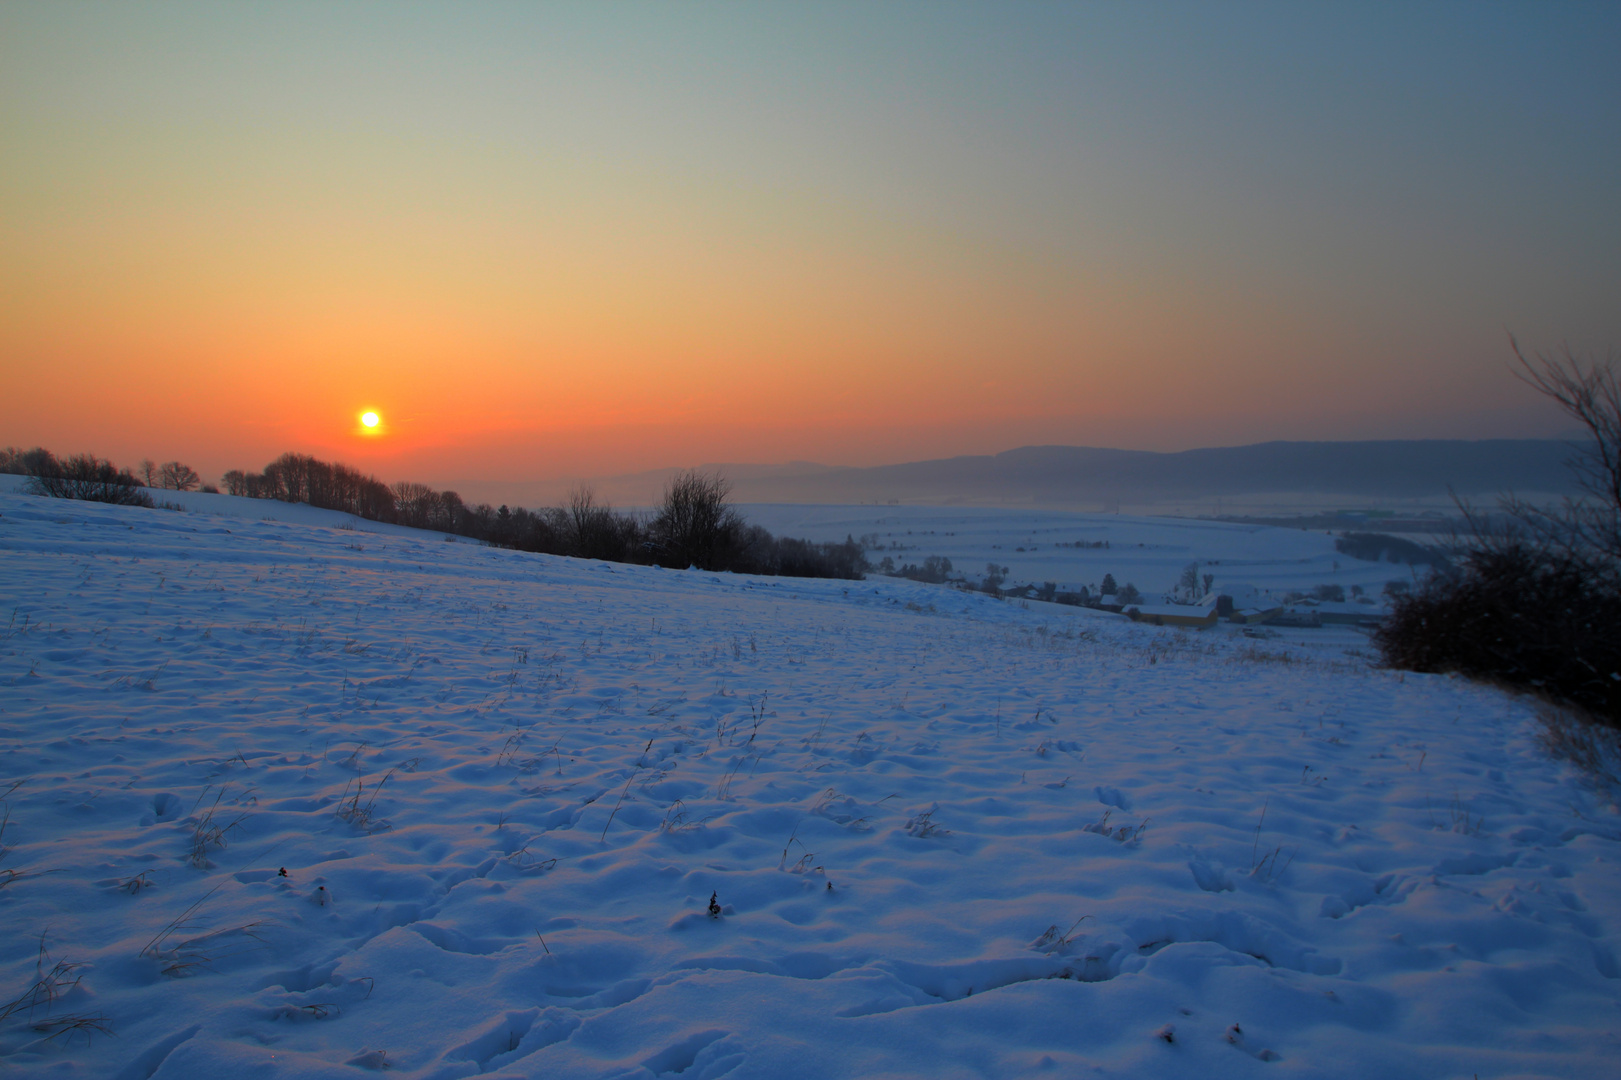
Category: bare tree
[147,470]
[696,525]
[36,462]
[1188,583]
[174,476]
[1587,391]
[593,530]
[1534,600]
[414,503]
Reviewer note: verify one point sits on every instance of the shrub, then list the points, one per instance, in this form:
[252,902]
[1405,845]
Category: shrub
[1536,602]
[1519,615]
[85,476]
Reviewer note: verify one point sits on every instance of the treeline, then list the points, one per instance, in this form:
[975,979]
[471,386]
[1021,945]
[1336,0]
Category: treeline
[694,525]
[1378,547]
[82,476]
[299,478]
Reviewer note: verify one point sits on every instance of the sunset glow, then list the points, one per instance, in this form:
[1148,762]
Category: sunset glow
[573,241]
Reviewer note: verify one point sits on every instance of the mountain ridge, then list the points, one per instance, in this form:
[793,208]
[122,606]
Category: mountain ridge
[1057,475]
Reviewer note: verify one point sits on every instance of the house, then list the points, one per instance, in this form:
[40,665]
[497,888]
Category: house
[1173,615]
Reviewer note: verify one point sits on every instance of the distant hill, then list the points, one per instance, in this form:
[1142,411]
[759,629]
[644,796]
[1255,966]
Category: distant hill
[1090,477]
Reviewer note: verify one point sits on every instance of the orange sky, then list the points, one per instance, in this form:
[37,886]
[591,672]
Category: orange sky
[580,241]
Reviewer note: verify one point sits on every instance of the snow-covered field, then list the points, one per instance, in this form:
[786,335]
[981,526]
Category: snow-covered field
[1043,545]
[947,836]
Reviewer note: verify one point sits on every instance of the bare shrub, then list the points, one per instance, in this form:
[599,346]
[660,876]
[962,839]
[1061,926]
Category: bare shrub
[1536,603]
[1519,615]
[87,477]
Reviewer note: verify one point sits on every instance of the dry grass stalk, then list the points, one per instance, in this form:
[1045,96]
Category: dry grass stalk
[1267,868]
[639,763]
[1052,941]
[1571,735]
[50,984]
[207,832]
[349,807]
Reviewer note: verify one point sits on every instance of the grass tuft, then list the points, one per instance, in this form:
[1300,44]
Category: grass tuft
[1267,867]
[350,809]
[42,994]
[207,831]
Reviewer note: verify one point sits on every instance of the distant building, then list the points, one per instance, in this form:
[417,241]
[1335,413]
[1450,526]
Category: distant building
[1173,615]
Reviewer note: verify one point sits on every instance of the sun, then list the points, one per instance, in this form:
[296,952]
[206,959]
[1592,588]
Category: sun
[370,419]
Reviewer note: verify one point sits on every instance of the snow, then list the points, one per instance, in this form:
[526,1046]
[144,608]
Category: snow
[236,506]
[504,788]
[1150,553]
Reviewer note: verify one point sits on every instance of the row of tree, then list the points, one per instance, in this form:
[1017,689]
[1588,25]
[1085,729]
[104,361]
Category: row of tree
[937,570]
[694,524]
[85,476]
[300,478]
[82,476]
[170,476]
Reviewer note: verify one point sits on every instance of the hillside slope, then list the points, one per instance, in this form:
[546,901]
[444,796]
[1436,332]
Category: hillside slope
[946,836]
